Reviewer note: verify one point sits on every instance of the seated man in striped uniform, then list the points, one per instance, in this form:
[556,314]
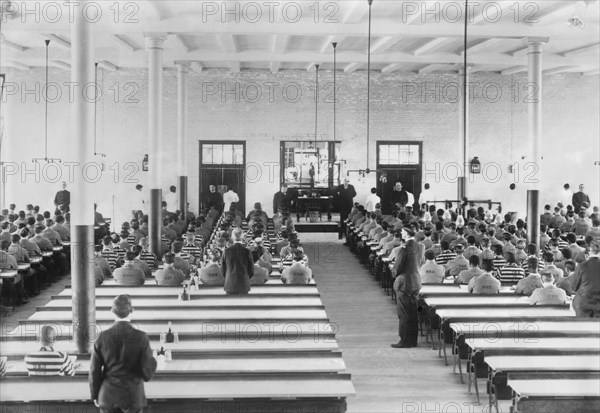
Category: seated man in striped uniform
[446,255]
[193,248]
[297,273]
[46,361]
[169,275]
[147,256]
[129,274]
[512,272]
[108,253]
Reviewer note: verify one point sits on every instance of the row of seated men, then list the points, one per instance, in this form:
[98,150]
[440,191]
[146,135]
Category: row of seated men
[127,257]
[29,238]
[484,255]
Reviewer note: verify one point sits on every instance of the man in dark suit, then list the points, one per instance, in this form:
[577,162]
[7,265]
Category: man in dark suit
[63,198]
[121,361]
[580,199]
[281,200]
[213,199]
[237,265]
[399,197]
[344,194]
[586,283]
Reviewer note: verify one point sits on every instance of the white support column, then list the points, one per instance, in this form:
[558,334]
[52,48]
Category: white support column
[182,170]
[534,109]
[82,205]
[154,47]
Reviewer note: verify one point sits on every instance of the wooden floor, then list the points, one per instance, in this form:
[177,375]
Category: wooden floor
[385,379]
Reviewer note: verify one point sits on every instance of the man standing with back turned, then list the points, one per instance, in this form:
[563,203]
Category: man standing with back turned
[120,364]
[237,265]
[344,194]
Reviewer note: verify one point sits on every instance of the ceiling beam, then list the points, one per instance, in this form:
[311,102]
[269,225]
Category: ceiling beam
[558,70]
[514,70]
[105,64]
[355,11]
[227,43]
[391,68]
[280,43]
[593,48]
[62,43]
[181,45]
[17,65]
[327,47]
[432,45]
[161,9]
[12,45]
[414,11]
[429,69]
[125,43]
[384,43]
[352,67]
[486,44]
[489,14]
[274,67]
[553,14]
[311,66]
[60,64]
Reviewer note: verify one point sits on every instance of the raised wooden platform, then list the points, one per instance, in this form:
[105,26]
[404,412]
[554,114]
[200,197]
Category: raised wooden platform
[319,226]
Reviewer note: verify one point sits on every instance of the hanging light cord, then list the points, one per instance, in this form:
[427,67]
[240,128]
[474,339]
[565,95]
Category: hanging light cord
[95,105]
[316,102]
[465,88]
[334,86]
[46,114]
[369,84]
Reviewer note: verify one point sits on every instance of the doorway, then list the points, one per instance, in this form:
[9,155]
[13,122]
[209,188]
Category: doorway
[398,161]
[223,164]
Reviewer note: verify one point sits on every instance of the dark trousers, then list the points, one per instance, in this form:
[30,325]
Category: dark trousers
[343,216]
[408,328]
[118,410]
[585,307]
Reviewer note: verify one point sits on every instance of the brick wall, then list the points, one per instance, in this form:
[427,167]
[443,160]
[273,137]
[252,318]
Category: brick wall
[403,107]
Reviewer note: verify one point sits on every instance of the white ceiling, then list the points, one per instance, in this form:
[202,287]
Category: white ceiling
[409,36]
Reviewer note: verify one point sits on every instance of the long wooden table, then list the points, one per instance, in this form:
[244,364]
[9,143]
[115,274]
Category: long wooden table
[233,363]
[502,367]
[204,392]
[549,396]
[205,302]
[191,329]
[284,313]
[156,290]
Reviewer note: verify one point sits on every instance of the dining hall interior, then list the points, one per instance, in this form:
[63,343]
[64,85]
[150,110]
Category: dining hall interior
[335,135]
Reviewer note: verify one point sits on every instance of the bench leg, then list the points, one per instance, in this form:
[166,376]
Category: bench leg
[476,385]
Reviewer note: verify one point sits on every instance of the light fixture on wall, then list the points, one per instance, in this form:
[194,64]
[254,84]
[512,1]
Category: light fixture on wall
[475,166]
[145,163]
[576,20]
[45,158]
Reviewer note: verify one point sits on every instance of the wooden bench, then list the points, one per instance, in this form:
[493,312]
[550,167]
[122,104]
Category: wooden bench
[549,396]
[205,392]
[501,368]
[482,347]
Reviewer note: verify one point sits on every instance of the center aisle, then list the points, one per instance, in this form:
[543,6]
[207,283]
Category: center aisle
[385,379]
